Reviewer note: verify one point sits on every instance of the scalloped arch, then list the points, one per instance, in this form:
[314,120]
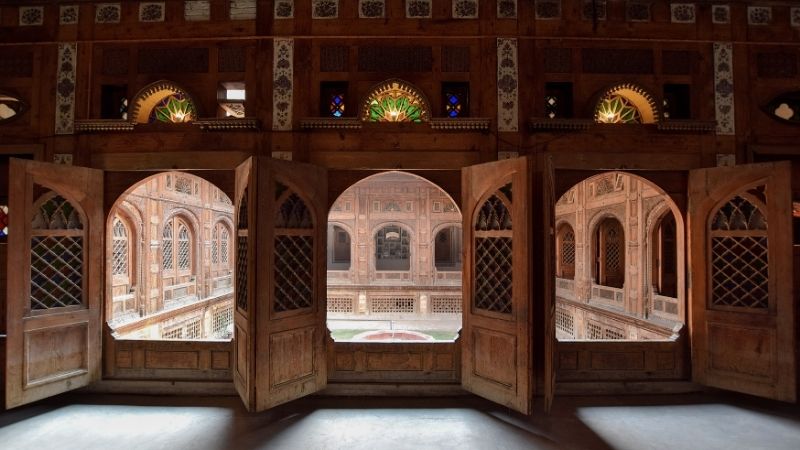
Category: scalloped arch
[637,96]
[149,96]
[384,103]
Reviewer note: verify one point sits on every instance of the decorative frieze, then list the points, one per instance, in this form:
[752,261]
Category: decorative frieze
[759,15]
[324,9]
[371,9]
[507,85]
[31,16]
[196,10]
[594,10]
[151,12]
[68,14]
[682,12]
[723,87]
[242,10]
[720,14]
[461,124]
[506,9]
[547,9]
[107,13]
[227,123]
[465,9]
[418,9]
[284,9]
[90,125]
[65,88]
[282,84]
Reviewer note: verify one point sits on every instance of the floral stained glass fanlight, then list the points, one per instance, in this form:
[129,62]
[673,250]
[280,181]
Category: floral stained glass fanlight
[336,105]
[174,108]
[395,101]
[617,109]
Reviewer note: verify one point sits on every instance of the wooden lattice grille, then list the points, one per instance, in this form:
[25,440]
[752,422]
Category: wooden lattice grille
[739,255]
[568,248]
[166,247]
[613,247]
[119,248]
[57,239]
[493,253]
[613,333]
[241,253]
[215,246]
[224,238]
[293,254]
[392,305]
[221,322]
[340,304]
[446,305]
[593,331]
[184,246]
[565,322]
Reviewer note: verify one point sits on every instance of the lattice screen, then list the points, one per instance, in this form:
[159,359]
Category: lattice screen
[293,253]
[613,333]
[739,255]
[340,304]
[568,248]
[184,244]
[493,253]
[215,245]
[593,331]
[392,304]
[293,213]
[56,255]
[119,248]
[166,247]
[243,211]
[241,272]
[614,248]
[221,321]
[565,322]
[446,304]
[224,238]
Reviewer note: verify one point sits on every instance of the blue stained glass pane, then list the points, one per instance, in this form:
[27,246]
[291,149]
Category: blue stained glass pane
[453,113]
[337,99]
[337,114]
[453,99]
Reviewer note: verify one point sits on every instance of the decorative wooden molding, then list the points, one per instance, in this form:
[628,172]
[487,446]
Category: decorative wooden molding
[227,123]
[90,125]
[695,126]
[461,124]
[330,123]
[545,124]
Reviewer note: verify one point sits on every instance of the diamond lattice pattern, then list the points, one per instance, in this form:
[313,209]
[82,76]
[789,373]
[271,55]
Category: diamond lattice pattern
[294,258]
[493,274]
[568,248]
[739,271]
[56,271]
[241,273]
[119,249]
[493,215]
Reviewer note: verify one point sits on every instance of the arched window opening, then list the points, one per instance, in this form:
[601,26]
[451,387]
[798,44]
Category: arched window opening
[447,249]
[120,249]
[626,104]
[338,248]
[188,294]
[565,252]
[665,257]
[392,249]
[163,101]
[394,253]
[610,253]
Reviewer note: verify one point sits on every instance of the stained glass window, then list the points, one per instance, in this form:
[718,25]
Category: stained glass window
[336,105]
[3,221]
[174,108]
[455,99]
[395,101]
[558,100]
[617,109]
[10,106]
[333,99]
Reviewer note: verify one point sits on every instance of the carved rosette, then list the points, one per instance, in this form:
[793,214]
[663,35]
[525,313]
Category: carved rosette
[284,9]
[507,85]
[65,88]
[723,87]
[282,83]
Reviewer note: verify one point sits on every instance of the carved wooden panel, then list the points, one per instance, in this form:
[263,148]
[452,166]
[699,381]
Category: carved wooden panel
[455,59]
[623,360]
[395,362]
[621,61]
[291,355]
[499,350]
[173,60]
[755,350]
[395,59]
[178,360]
[52,353]
[334,58]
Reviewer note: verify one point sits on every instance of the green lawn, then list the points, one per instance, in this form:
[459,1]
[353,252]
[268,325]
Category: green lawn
[439,335]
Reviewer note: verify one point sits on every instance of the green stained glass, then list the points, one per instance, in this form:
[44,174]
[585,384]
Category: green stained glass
[173,109]
[395,101]
[617,109]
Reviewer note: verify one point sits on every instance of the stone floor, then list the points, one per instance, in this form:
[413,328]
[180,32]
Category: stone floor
[697,421]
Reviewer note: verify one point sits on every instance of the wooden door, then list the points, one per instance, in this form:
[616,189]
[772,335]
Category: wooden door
[245,265]
[741,298]
[290,281]
[544,244]
[54,289]
[496,332]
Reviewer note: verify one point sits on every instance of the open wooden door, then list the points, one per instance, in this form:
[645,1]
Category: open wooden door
[741,299]
[55,269]
[244,312]
[546,237]
[496,331]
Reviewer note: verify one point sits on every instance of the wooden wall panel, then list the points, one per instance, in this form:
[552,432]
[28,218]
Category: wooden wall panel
[351,362]
[174,360]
